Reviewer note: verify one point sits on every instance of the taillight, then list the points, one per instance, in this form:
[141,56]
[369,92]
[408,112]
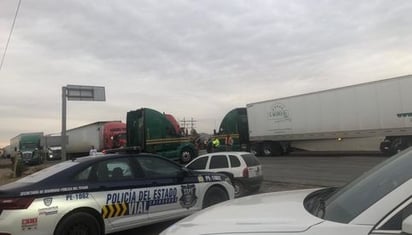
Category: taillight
[246,172]
[15,203]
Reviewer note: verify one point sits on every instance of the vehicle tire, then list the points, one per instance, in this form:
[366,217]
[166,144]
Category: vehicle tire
[239,188]
[213,196]
[79,223]
[271,149]
[398,145]
[255,149]
[267,150]
[186,155]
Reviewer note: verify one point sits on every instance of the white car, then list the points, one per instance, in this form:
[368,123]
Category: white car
[378,202]
[243,168]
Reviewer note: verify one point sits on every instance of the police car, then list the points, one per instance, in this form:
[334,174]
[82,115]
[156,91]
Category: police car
[379,202]
[105,194]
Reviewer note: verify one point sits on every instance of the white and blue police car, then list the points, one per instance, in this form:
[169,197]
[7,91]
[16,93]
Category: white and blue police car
[105,194]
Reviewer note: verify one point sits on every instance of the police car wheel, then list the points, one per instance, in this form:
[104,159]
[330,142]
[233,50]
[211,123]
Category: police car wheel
[213,196]
[79,223]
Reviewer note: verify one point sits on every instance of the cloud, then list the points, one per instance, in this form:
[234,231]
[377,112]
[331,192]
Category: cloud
[195,59]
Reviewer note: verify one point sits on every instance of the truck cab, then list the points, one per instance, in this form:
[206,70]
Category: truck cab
[31,150]
[153,132]
[235,125]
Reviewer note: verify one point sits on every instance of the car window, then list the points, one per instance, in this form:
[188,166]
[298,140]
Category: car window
[395,223]
[198,164]
[250,159]
[354,198]
[84,174]
[234,161]
[109,170]
[218,161]
[119,170]
[154,167]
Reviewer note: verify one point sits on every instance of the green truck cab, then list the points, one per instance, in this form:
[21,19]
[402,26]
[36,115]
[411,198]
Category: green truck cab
[235,125]
[29,146]
[154,132]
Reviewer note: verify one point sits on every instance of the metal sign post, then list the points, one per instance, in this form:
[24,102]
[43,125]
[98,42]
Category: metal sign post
[77,93]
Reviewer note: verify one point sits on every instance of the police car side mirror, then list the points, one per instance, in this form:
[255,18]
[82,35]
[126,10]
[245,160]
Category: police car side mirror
[407,225]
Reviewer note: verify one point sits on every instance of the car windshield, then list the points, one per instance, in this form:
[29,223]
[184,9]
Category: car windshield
[348,202]
[40,175]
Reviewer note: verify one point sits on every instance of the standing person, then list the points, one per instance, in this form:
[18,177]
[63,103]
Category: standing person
[215,143]
[229,142]
[92,151]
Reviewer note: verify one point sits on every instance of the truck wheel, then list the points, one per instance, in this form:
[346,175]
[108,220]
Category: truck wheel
[255,149]
[213,196]
[186,156]
[78,223]
[271,149]
[267,150]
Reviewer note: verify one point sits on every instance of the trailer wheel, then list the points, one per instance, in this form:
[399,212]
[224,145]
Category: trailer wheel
[186,156]
[255,149]
[271,149]
[398,145]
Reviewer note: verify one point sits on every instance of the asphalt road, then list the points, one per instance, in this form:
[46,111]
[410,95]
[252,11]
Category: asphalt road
[297,172]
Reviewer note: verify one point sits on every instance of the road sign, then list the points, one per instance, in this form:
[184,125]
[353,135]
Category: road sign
[85,93]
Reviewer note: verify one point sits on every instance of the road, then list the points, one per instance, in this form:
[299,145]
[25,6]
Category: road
[297,172]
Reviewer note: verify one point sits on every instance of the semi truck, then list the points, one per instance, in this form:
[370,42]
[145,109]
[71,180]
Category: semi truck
[28,146]
[374,116]
[156,132]
[100,135]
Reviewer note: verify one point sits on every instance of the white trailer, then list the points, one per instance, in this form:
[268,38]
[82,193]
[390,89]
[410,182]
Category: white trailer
[371,117]
[98,134]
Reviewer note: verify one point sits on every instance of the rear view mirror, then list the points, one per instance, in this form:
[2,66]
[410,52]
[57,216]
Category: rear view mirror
[407,225]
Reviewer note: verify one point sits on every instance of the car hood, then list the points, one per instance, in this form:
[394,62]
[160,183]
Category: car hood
[269,212]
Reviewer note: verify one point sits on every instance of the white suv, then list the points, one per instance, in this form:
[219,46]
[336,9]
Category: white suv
[243,168]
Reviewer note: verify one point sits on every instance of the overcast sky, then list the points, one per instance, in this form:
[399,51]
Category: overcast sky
[194,59]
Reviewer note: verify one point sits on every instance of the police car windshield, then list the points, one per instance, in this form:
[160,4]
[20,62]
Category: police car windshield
[40,175]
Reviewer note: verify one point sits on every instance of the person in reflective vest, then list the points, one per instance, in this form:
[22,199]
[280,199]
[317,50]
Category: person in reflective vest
[215,143]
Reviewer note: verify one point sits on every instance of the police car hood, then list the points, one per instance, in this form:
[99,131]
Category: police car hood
[281,212]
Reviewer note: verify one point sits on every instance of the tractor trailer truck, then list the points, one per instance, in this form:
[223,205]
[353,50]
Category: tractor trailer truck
[28,146]
[100,135]
[156,132]
[374,116]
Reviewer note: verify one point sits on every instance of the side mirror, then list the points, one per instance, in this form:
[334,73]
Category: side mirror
[407,225]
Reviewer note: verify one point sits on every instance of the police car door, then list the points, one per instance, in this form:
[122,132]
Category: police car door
[121,193]
[172,192]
